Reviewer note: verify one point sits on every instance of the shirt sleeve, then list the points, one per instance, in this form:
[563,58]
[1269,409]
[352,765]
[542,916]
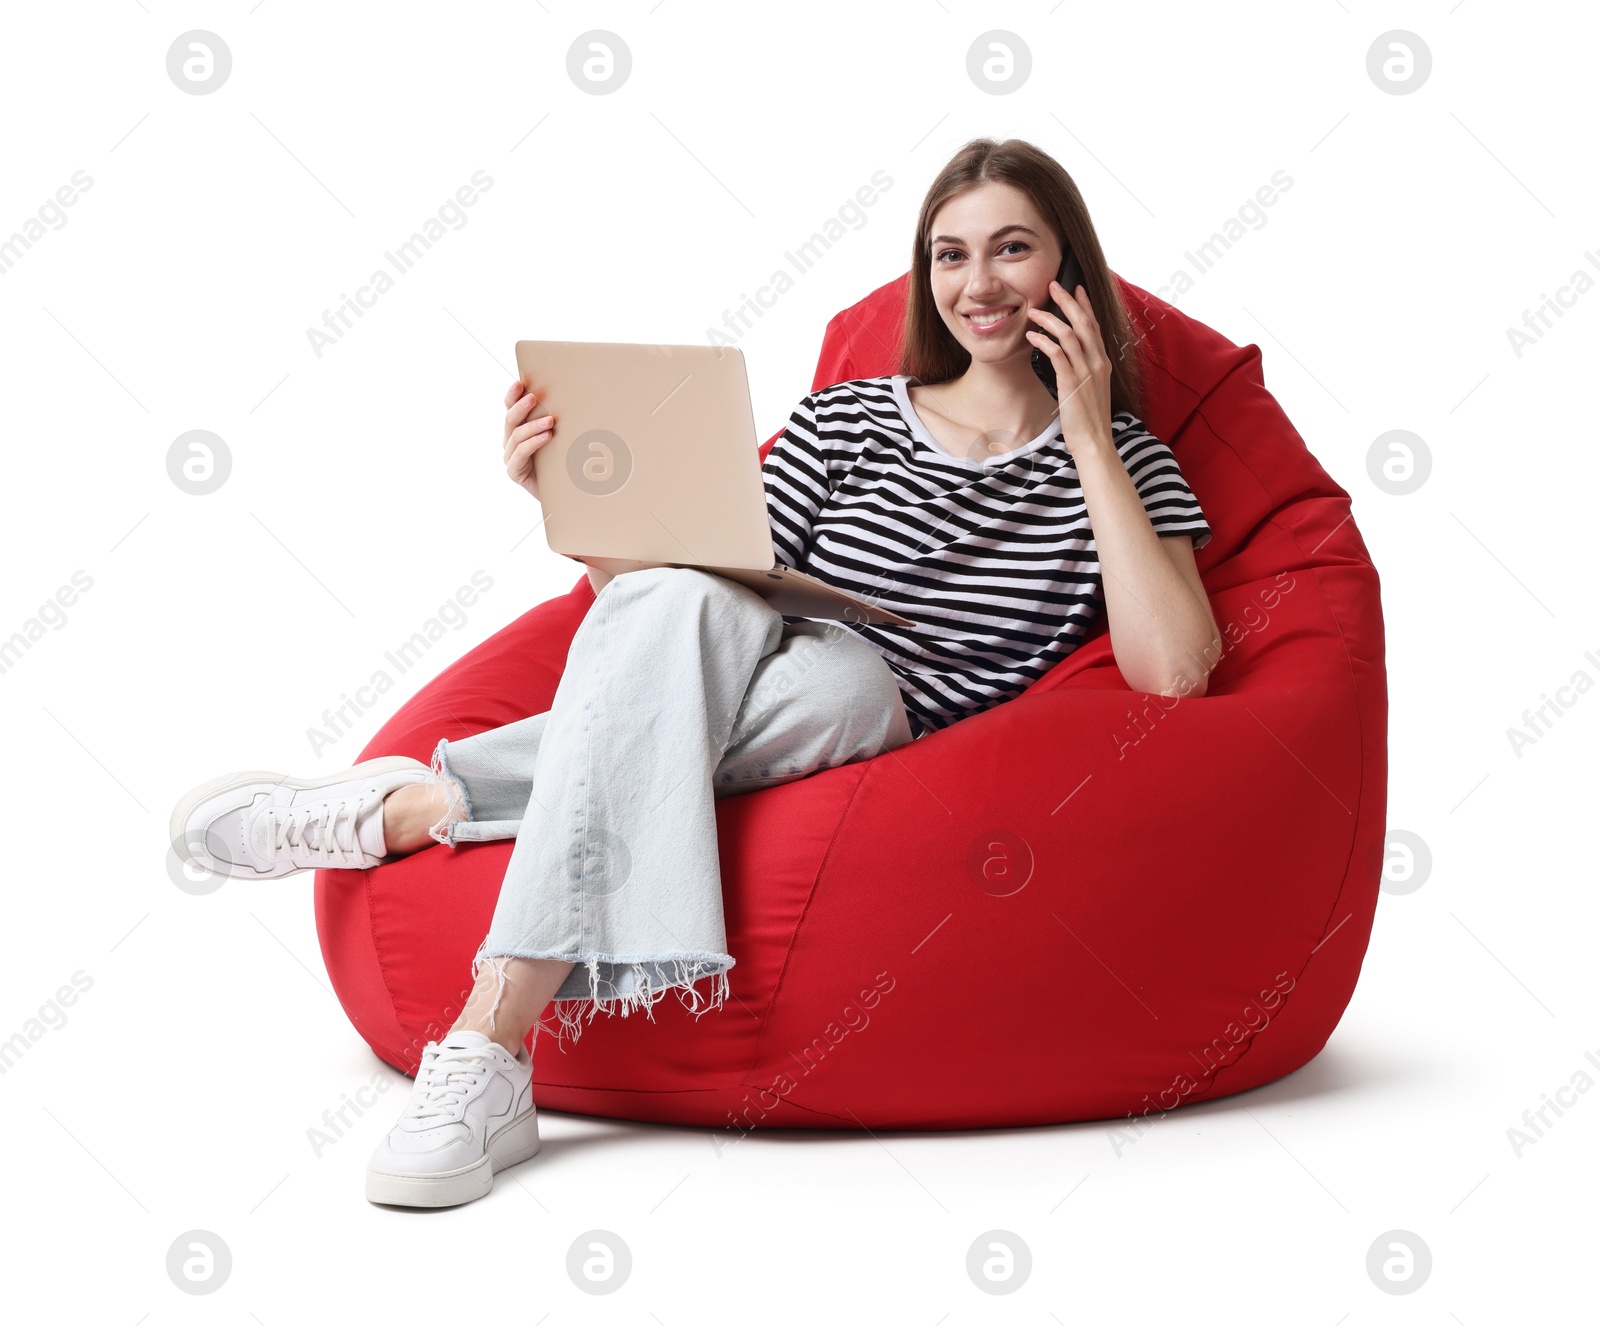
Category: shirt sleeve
[795,476]
[1166,495]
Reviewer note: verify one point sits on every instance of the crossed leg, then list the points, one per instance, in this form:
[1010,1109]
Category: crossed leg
[814,695]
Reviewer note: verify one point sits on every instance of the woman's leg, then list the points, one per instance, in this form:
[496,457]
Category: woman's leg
[615,869]
[613,893]
[480,789]
[786,728]
[409,812]
[823,698]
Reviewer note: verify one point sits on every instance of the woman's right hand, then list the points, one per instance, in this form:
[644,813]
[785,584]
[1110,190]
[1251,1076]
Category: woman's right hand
[522,437]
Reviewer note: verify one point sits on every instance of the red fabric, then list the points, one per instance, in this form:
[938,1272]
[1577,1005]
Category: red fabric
[1198,892]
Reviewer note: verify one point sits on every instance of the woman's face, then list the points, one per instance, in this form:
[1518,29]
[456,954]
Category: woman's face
[991,253]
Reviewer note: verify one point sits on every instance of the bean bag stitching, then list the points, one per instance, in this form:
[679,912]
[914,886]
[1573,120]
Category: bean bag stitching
[783,970]
[632,1091]
[1274,518]
[1252,353]
[847,355]
[383,966]
[1245,354]
[1355,833]
[849,1123]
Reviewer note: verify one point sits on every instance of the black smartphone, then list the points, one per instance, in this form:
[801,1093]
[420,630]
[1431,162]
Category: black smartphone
[1070,276]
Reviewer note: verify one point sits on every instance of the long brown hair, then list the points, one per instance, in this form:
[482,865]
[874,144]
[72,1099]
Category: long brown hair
[931,354]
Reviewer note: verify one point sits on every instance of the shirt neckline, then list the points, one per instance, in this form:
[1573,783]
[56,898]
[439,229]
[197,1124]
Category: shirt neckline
[908,412]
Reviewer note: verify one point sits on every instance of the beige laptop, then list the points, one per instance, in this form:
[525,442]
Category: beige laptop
[655,462]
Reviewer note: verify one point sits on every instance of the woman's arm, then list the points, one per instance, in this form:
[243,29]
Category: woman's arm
[1163,633]
[796,481]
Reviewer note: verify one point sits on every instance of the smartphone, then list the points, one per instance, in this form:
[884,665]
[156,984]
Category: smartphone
[1071,276]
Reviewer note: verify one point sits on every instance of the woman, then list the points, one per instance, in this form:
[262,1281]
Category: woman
[956,492]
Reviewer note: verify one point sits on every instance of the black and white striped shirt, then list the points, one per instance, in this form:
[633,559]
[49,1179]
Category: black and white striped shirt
[994,558]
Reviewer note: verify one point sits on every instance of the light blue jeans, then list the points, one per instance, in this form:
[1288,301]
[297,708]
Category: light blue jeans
[680,687]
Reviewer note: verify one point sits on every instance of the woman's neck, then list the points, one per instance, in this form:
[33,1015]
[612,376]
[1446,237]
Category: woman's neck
[1005,398]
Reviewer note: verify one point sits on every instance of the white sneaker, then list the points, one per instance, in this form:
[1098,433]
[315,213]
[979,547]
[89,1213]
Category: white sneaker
[471,1114]
[266,825]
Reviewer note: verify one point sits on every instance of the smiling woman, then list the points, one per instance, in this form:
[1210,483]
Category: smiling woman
[681,690]
[1005,215]
[1177,872]
[962,496]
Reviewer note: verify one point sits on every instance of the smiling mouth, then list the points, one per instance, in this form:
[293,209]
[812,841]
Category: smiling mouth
[990,321]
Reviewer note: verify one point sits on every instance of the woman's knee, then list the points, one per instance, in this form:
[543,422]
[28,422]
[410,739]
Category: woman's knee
[889,706]
[689,583]
[850,672]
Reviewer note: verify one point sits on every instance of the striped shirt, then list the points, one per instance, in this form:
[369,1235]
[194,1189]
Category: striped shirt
[994,559]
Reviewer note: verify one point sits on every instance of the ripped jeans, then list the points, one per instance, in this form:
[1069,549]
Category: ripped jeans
[680,687]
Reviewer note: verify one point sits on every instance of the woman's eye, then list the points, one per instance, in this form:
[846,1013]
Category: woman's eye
[1010,243]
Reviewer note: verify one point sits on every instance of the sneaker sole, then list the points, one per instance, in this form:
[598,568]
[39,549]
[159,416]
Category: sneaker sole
[197,796]
[516,1142]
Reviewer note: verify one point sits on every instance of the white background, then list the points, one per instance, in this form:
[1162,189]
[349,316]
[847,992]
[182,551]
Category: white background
[367,487]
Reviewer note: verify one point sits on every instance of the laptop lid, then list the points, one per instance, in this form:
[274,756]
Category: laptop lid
[655,455]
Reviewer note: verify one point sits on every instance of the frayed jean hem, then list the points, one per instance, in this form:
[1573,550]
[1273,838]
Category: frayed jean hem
[630,983]
[447,830]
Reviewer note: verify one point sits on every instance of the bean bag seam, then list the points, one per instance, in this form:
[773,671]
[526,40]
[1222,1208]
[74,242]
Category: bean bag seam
[1273,518]
[637,1091]
[794,938]
[1355,831]
[1246,354]
[1249,354]
[377,952]
[848,1123]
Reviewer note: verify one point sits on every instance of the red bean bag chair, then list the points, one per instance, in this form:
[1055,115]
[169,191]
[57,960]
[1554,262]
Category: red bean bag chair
[1083,903]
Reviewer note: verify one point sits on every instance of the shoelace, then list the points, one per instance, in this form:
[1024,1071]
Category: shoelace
[446,1075]
[289,832]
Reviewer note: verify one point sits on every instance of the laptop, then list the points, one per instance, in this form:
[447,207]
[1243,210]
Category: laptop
[655,462]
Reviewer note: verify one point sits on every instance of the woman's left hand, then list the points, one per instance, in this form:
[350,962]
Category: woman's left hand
[1083,369]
